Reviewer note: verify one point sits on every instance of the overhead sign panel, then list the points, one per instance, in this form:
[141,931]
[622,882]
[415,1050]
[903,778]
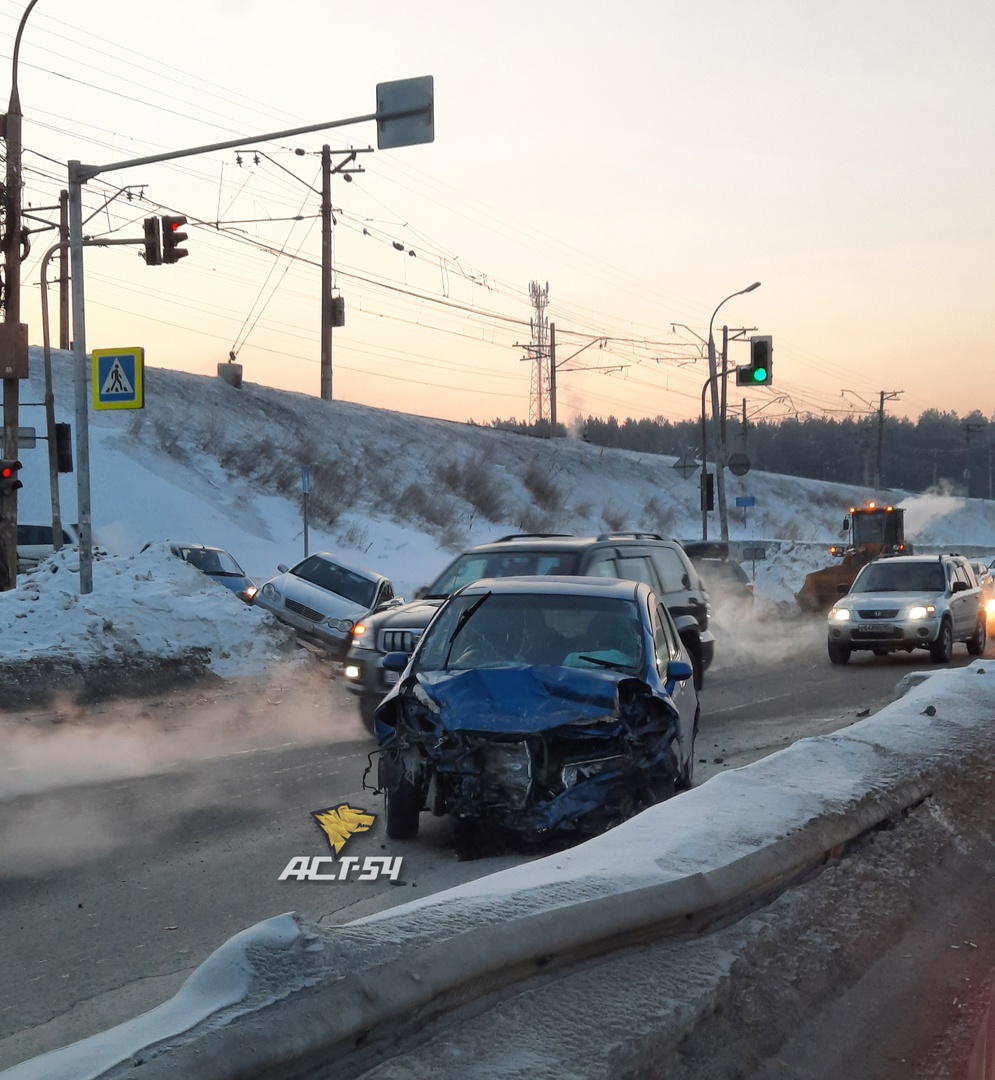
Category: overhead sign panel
[405,112]
[118,378]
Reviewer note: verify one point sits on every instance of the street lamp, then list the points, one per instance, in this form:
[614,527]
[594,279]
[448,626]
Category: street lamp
[717,425]
[12,311]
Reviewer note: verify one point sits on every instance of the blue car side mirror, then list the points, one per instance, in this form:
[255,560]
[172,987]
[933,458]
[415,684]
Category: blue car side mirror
[395,661]
[677,671]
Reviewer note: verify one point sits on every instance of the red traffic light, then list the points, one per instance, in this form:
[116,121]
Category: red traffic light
[8,476]
[172,238]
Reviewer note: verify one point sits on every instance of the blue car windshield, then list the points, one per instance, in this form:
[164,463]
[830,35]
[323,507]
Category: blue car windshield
[506,630]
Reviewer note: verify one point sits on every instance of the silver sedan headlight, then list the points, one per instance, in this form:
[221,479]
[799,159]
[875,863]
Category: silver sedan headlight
[270,591]
[343,626]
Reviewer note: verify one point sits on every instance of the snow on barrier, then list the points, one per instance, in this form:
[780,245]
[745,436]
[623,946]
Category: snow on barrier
[285,996]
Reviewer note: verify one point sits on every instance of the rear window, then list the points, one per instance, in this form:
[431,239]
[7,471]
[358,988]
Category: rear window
[39,536]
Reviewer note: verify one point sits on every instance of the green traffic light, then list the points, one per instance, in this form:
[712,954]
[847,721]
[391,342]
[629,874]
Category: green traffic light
[759,375]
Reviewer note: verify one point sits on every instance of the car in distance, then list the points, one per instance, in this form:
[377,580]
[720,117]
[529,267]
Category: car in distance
[34,543]
[322,597]
[910,602]
[541,706]
[660,563]
[986,581]
[728,584]
[218,564]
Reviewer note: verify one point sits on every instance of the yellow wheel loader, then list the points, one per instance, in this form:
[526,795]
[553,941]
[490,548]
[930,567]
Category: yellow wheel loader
[870,531]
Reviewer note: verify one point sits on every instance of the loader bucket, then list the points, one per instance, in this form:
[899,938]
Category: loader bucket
[821,588]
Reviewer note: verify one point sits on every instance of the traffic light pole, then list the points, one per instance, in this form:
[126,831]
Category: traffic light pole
[417,98]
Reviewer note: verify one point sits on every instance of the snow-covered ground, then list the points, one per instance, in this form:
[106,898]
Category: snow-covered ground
[407,493]
[169,473]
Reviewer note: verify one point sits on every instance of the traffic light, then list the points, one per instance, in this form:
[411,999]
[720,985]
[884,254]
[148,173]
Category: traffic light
[707,490]
[64,447]
[171,237]
[8,476]
[153,252]
[759,371]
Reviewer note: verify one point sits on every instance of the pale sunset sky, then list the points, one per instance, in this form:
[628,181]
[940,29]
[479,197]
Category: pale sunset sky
[643,159]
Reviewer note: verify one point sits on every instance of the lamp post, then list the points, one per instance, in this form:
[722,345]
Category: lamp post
[716,419]
[12,309]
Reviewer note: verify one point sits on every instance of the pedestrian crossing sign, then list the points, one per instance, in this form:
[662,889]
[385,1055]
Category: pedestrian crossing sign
[118,378]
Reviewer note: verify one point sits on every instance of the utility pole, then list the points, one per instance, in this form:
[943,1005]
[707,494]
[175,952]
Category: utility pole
[889,396]
[552,380]
[326,273]
[14,339]
[539,391]
[332,314]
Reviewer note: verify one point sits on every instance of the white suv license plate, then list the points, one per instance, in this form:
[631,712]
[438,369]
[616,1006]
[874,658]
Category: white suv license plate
[874,628]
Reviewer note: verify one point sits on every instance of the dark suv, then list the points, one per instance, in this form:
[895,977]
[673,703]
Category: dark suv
[662,564]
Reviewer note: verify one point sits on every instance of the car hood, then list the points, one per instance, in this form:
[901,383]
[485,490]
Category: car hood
[410,616]
[331,605]
[890,600]
[523,700]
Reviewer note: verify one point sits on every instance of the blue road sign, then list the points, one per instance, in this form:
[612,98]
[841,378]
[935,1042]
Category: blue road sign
[745,500]
[118,378]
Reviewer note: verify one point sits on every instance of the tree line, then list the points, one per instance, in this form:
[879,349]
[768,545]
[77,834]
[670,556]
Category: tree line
[938,451]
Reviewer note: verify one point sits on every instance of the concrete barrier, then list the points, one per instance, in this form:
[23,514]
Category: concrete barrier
[307,995]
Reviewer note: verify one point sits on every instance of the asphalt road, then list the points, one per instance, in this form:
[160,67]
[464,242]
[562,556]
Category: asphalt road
[138,836]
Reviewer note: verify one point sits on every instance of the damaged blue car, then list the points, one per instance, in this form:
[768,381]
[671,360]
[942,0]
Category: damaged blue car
[540,705]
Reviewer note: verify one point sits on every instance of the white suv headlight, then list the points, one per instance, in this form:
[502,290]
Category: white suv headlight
[839,614]
[921,611]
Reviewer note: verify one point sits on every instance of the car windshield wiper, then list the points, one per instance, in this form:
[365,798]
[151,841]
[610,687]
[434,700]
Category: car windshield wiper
[605,663]
[460,623]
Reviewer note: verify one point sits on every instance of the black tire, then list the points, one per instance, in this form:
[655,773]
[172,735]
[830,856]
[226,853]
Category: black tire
[403,808]
[942,649]
[979,639]
[697,667]
[367,709]
[838,653]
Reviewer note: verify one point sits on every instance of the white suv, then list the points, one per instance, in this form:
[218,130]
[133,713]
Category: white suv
[910,602]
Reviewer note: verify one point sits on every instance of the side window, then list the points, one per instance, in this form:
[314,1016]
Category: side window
[671,569]
[637,568]
[602,564]
[663,638]
[386,593]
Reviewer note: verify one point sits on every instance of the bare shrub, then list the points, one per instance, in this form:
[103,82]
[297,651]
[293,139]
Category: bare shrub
[542,487]
[355,536]
[661,519]
[432,507]
[473,481]
[534,520]
[169,441]
[613,517]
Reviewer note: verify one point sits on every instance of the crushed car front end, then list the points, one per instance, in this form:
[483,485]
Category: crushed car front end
[534,749]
